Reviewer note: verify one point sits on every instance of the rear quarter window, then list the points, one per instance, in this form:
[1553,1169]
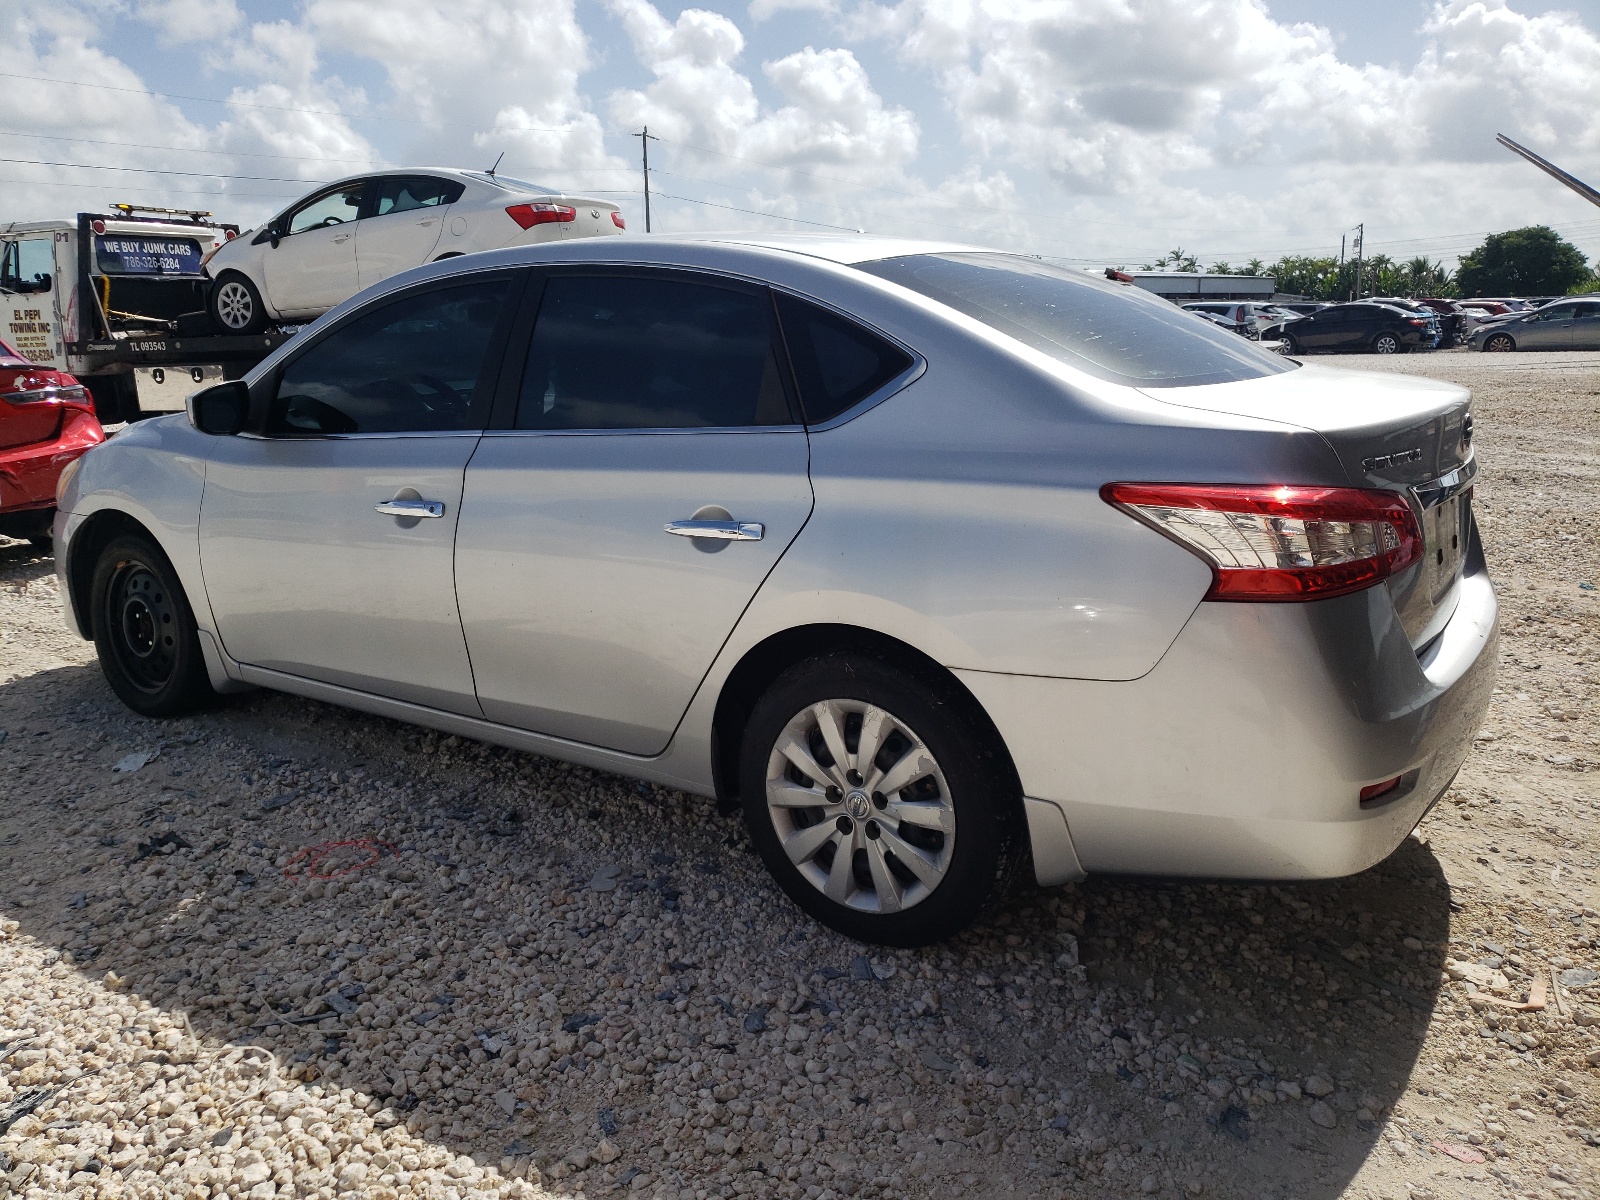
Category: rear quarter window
[1109,330]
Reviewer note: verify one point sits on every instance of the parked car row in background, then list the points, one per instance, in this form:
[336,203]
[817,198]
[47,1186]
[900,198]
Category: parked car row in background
[1397,324]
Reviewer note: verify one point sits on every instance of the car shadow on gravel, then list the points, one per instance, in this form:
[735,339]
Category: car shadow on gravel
[553,969]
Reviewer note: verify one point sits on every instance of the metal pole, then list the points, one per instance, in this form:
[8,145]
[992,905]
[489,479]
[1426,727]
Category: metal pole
[1361,237]
[1340,273]
[644,145]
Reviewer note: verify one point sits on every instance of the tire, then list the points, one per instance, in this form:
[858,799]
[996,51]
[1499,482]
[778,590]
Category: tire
[144,631]
[1287,345]
[959,818]
[1499,343]
[1386,343]
[235,305]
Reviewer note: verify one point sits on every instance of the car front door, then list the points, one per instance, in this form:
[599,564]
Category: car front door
[313,266]
[327,535]
[405,218]
[1549,329]
[649,473]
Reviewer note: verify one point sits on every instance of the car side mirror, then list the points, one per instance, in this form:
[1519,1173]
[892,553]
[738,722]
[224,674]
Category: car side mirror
[221,408]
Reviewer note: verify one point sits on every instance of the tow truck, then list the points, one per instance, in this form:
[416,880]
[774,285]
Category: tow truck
[118,299]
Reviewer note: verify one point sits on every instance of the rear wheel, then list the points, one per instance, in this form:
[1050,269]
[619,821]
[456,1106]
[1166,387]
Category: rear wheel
[144,631]
[235,304]
[1499,343]
[1386,343]
[874,803]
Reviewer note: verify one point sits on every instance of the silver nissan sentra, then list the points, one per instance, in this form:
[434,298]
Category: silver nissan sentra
[938,561]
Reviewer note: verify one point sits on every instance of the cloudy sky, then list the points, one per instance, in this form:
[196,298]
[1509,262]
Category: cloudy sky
[1104,131]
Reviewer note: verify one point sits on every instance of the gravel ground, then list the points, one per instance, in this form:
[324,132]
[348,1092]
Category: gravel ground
[537,980]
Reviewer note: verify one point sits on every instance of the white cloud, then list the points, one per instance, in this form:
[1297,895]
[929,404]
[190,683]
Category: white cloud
[761,10]
[192,20]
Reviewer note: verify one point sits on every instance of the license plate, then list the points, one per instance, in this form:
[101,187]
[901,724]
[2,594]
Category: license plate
[164,389]
[1445,532]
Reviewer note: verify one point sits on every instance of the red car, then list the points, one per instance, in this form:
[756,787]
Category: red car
[46,421]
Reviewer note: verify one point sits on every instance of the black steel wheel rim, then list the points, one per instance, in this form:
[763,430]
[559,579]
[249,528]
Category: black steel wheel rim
[143,626]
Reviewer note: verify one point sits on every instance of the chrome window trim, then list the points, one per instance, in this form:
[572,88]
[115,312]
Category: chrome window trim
[1449,485]
[355,437]
[649,430]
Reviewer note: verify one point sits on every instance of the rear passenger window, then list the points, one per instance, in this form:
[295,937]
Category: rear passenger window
[836,362]
[650,352]
[411,366]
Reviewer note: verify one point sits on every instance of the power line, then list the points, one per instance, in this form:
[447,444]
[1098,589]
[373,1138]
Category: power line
[316,112]
[756,213]
[49,137]
[34,162]
[165,191]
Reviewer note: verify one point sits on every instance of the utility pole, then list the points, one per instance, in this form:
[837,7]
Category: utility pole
[1361,237]
[644,145]
[1340,274]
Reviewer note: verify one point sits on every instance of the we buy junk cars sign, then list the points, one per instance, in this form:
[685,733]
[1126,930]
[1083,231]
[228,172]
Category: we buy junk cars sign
[121,254]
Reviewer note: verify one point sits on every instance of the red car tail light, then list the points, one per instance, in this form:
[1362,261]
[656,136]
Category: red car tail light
[62,395]
[616,219]
[529,215]
[1275,543]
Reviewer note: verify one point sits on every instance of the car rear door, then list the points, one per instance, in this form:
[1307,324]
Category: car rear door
[406,215]
[1321,331]
[327,534]
[646,472]
[313,266]
[1586,326]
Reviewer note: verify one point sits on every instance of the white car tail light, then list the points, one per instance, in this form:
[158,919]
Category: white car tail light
[617,220]
[1271,542]
[529,215]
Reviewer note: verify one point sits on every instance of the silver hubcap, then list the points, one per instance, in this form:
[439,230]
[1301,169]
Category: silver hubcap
[861,807]
[234,305]
[1385,346]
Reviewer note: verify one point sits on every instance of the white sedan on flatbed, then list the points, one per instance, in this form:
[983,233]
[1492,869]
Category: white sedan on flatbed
[357,232]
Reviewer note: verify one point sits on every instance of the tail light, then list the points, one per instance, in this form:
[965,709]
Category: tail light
[529,215]
[616,219]
[74,394]
[1267,542]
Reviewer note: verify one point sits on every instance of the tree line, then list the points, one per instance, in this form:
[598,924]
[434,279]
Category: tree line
[1535,261]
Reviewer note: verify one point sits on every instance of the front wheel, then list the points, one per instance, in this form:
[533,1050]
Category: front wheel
[236,305]
[1287,344]
[1386,343]
[144,631]
[874,803]
[1499,343]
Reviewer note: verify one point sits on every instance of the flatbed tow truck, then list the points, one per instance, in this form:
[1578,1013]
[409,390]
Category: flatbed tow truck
[118,299]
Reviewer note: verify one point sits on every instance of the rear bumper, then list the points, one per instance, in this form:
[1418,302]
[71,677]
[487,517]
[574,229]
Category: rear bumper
[28,473]
[1243,753]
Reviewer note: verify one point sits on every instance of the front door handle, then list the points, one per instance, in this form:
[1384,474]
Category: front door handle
[343,237]
[724,531]
[410,508]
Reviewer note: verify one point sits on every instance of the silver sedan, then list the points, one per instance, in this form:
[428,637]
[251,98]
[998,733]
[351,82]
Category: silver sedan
[944,564]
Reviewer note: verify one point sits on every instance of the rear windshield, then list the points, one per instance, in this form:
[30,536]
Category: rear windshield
[1111,330]
[509,184]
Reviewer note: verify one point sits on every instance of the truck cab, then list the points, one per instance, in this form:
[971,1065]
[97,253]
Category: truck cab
[118,299]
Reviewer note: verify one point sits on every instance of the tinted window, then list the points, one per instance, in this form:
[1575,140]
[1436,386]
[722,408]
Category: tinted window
[1107,329]
[836,362]
[412,365]
[1558,312]
[402,193]
[336,208]
[648,352]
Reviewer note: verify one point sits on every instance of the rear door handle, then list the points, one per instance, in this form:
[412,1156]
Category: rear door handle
[725,531]
[410,508]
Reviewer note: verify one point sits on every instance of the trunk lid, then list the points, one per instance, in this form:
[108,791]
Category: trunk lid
[1397,432]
